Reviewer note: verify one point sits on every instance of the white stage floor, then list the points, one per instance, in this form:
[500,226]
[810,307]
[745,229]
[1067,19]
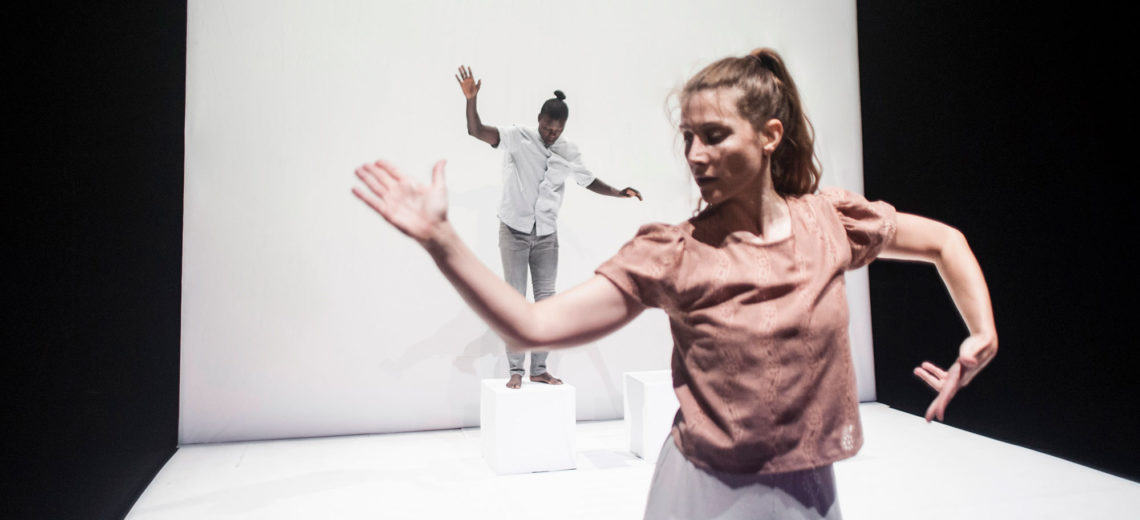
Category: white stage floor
[907,469]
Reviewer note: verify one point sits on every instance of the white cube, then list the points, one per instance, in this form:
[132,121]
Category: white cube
[650,406]
[527,429]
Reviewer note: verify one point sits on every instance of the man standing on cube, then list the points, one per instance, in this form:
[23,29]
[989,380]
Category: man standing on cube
[536,164]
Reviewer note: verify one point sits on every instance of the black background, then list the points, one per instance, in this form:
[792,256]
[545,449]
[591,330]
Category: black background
[92,253]
[1013,125]
[1010,124]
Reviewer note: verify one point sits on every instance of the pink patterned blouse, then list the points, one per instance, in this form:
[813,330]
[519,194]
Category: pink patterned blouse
[761,357]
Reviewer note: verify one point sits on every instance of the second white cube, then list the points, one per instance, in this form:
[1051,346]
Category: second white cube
[650,406]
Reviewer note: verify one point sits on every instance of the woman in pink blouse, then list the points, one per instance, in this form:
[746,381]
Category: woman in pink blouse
[753,287]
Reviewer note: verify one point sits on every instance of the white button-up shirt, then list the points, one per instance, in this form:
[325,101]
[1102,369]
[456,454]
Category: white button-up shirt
[534,179]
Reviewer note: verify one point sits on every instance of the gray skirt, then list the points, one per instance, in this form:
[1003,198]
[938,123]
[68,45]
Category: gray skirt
[682,491]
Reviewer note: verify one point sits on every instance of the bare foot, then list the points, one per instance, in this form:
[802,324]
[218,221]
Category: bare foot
[545,377]
[516,381]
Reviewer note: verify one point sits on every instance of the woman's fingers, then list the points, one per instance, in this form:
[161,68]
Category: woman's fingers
[380,185]
[949,388]
[383,176]
[936,410]
[930,379]
[934,369]
[373,201]
[414,208]
[437,173]
[931,411]
[931,374]
[945,382]
[388,169]
[973,355]
[368,179]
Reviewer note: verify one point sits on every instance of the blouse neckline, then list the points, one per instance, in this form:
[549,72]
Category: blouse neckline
[748,237]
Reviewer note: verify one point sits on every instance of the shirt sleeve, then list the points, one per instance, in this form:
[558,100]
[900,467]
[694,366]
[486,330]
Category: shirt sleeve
[569,152]
[509,138]
[646,267]
[869,225]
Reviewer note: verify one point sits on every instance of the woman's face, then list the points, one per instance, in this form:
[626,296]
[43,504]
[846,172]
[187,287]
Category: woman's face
[724,152]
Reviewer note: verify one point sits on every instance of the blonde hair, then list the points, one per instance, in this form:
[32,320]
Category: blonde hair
[768,92]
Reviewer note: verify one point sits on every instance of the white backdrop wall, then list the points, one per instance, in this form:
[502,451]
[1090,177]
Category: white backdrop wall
[304,314]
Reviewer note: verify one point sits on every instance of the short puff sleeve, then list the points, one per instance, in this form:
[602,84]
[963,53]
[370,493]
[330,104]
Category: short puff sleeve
[646,267]
[870,226]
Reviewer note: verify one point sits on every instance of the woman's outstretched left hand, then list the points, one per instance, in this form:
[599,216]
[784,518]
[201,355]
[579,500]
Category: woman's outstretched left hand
[415,209]
[974,354]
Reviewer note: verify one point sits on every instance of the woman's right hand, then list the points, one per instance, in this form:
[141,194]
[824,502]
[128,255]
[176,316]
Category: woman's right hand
[417,210]
[975,353]
[467,82]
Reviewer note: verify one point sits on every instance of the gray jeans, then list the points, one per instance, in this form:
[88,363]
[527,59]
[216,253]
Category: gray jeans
[520,251]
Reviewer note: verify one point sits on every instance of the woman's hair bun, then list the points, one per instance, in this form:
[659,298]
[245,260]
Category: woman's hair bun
[558,94]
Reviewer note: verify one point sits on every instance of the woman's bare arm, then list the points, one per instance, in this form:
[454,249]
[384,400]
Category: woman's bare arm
[585,313]
[922,239]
